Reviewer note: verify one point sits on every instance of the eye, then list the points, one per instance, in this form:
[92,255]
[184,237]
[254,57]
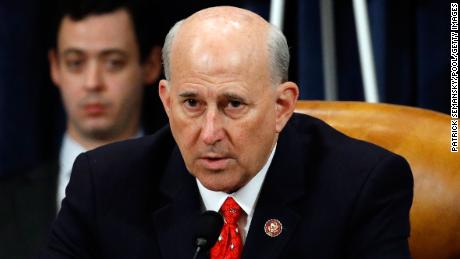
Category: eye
[235,108]
[192,103]
[234,104]
[74,64]
[115,64]
[193,107]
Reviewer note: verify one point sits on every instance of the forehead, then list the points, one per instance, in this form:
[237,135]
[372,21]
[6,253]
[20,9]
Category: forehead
[219,47]
[98,32]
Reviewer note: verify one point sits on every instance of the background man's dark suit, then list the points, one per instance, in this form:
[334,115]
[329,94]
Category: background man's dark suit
[335,196]
[27,209]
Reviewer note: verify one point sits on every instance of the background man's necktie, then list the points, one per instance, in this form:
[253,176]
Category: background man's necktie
[229,245]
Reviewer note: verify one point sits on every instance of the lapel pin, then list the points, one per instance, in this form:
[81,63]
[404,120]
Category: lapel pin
[273,227]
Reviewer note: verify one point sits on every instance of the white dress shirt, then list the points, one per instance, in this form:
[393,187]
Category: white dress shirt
[70,149]
[246,197]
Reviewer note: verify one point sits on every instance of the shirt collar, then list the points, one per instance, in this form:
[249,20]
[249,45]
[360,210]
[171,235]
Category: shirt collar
[70,149]
[246,196]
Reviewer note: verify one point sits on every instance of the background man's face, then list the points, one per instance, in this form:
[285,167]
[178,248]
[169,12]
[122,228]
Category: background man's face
[221,107]
[99,75]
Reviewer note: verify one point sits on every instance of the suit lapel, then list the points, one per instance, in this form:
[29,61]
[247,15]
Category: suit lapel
[283,186]
[174,222]
[258,243]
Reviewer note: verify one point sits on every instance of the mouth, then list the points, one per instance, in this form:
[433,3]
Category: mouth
[94,109]
[214,163]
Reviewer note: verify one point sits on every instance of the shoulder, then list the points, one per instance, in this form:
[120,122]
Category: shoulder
[133,149]
[331,143]
[130,157]
[122,174]
[342,163]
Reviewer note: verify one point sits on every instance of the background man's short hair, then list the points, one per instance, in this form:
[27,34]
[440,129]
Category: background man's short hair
[147,18]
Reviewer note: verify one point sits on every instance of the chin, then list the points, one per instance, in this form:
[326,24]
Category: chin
[227,180]
[100,132]
[219,183]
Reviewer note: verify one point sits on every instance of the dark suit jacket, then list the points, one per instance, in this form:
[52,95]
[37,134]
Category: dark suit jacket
[335,196]
[27,209]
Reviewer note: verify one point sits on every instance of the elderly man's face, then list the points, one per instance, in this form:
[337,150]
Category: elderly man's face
[222,106]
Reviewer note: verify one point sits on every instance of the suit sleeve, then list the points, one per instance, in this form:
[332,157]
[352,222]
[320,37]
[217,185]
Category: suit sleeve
[380,222]
[72,233]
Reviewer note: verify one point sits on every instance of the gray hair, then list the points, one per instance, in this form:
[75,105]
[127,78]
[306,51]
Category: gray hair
[278,53]
[277,47]
[166,51]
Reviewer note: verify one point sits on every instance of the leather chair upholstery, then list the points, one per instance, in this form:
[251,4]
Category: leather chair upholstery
[423,138]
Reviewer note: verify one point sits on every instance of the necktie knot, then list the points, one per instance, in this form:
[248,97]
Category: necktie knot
[231,211]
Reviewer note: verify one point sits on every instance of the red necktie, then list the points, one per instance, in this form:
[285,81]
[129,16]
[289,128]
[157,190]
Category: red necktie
[229,244]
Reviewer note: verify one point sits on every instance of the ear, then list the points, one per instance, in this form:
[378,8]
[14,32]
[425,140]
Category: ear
[287,94]
[152,66]
[164,90]
[54,67]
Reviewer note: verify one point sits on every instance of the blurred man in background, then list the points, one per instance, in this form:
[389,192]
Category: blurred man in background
[104,56]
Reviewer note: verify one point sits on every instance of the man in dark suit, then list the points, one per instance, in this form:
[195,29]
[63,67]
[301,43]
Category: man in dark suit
[287,185]
[101,63]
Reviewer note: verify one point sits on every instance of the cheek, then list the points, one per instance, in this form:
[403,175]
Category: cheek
[258,126]
[126,79]
[71,94]
[255,138]
[185,130]
[186,138]
[72,88]
[125,89]
[132,99]
[72,80]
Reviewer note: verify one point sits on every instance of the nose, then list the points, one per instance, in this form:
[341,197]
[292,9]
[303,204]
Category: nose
[212,128]
[93,77]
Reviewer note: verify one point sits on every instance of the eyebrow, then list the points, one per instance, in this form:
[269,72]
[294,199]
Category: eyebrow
[72,51]
[233,96]
[108,52]
[188,94]
[105,52]
[230,96]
